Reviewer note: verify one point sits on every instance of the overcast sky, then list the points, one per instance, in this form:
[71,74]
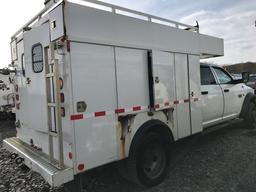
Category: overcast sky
[232,20]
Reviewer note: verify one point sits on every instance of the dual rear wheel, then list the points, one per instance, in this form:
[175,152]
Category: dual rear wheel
[148,163]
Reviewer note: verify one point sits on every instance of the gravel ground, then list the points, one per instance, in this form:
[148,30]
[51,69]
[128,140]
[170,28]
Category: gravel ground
[219,161]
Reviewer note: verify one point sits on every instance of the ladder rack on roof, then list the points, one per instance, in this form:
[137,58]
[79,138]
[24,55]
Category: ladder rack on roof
[114,9]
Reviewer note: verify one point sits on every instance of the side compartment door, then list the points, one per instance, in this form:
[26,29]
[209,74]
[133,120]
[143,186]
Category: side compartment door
[195,92]
[164,79]
[94,83]
[182,95]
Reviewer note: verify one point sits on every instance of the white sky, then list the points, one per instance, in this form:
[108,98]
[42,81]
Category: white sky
[231,20]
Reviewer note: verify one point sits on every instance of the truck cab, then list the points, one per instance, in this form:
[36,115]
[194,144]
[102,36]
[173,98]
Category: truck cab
[222,96]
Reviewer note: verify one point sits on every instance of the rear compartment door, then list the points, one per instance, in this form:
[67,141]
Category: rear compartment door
[34,123]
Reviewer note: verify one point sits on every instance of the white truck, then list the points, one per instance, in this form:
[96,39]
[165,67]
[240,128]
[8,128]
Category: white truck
[6,95]
[97,83]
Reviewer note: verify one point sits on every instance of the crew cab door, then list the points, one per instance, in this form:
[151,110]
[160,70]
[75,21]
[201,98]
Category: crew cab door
[212,97]
[233,93]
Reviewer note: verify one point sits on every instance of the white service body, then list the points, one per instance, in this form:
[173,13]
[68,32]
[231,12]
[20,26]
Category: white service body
[103,59]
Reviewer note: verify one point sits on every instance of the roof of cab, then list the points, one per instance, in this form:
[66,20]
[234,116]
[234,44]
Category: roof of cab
[208,65]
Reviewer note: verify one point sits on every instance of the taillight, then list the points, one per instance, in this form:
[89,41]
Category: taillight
[62,98]
[61,83]
[70,155]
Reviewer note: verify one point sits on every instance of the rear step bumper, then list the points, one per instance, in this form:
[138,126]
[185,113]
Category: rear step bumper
[36,161]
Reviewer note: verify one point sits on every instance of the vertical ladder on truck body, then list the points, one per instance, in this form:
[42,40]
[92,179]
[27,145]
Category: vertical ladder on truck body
[53,105]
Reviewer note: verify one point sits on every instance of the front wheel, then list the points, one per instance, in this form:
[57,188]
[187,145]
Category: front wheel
[148,164]
[250,118]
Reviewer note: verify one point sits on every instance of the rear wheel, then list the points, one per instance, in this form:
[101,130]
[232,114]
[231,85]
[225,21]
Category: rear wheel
[250,118]
[148,164]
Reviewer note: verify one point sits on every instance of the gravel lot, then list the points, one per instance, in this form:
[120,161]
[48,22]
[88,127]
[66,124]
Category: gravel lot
[223,160]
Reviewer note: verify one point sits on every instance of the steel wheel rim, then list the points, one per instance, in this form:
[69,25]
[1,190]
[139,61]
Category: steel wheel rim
[153,161]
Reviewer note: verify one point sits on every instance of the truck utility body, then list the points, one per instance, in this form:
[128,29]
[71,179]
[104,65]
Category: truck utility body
[97,83]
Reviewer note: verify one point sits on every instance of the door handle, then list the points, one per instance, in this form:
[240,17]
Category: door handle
[204,92]
[226,90]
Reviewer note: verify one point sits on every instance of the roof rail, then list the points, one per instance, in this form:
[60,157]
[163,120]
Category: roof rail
[151,18]
[115,9]
[49,6]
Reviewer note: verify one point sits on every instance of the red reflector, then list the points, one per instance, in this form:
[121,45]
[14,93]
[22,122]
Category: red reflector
[118,111]
[186,100]
[70,155]
[166,104]
[62,98]
[17,97]
[157,106]
[99,114]
[81,167]
[176,102]
[137,108]
[76,117]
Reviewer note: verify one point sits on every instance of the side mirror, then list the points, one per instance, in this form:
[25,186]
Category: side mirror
[246,76]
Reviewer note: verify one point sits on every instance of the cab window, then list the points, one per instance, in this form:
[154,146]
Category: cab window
[223,76]
[207,77]
[37,58]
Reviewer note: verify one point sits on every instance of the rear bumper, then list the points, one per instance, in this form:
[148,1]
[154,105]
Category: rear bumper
[38,162]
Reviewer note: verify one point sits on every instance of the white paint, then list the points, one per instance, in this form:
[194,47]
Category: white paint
[182,92]
[107,70]
[164,74]
[195,92]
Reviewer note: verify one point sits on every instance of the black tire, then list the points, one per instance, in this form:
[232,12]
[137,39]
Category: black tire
[148,164]
[250,118]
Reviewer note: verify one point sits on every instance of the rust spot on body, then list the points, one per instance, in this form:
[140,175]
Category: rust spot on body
[123,148]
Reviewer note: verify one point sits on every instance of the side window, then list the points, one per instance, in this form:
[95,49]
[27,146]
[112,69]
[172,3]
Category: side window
[207,77]
[223,76]
[23,65]
[37,58]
